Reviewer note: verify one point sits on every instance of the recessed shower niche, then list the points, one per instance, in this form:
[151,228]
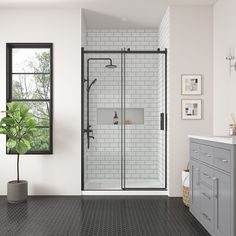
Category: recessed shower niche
[124,128]
[133,116]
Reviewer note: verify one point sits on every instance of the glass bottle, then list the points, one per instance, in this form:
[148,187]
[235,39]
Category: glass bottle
[231,130]
[115,119]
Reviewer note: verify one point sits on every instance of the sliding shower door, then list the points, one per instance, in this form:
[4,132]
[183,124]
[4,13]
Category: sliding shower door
[144,133]
[102,138]
[123,120]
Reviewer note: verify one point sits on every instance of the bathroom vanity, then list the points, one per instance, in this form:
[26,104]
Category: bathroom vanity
[213,183]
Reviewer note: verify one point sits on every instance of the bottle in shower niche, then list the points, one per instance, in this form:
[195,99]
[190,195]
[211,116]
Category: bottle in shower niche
[115,119]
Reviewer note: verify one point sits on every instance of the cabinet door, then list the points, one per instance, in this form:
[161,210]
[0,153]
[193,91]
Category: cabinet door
[206,215]
[194,188]
[222,203]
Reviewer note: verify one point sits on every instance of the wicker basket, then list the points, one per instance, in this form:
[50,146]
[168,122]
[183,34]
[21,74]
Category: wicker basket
[185,183]
[186,196]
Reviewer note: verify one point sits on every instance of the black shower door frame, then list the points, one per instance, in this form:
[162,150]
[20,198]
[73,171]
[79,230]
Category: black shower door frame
[163,121]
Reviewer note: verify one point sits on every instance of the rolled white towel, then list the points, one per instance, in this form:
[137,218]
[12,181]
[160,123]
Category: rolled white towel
[185,179]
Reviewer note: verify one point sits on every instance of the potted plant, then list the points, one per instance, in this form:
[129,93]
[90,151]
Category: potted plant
[19,126]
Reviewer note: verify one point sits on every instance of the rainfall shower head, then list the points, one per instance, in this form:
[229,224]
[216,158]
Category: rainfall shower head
[110,66]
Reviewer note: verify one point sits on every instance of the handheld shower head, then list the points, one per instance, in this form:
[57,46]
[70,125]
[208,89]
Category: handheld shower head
[92,84]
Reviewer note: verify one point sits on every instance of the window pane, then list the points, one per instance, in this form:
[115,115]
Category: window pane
[41,140]
[31,60]
[30,82]
[31,86]
[41,111]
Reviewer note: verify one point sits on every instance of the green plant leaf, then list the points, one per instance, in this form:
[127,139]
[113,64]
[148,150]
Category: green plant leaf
[27,143]
[28,116]
[3,131]
[32,123]
[13,105]
[24,110]
[8,121]
[11,143]
[21,148]
[17,115]
[6,132]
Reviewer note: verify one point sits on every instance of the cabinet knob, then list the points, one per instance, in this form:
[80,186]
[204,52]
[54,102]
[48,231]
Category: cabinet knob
[222,160]
[206,195]
[225,161]
[206,216]
[208,176]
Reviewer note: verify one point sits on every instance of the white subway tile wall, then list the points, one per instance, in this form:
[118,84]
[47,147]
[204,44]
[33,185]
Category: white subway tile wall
[136,39]
[144,147]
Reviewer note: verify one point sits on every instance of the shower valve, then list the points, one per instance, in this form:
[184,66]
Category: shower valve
[88,131]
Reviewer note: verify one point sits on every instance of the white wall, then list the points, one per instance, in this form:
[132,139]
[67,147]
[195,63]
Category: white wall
[190,52]
[164,42]
[83,29]
[224,84]
[58,173]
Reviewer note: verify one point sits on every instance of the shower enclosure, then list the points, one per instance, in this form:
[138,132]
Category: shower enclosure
[124,122]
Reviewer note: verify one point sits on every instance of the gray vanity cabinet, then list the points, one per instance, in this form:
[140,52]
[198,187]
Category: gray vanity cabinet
[222,204]
[212,186]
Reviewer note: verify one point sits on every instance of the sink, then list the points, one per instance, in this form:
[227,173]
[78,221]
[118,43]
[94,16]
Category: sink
[222,139]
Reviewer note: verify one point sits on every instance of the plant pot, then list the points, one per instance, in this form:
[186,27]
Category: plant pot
[17,191]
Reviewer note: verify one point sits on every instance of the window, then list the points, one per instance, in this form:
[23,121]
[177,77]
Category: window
[29,80]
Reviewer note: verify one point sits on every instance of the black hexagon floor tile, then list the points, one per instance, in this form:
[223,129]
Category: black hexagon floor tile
[98,216]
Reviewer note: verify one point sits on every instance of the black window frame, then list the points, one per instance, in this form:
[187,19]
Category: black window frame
[9,47]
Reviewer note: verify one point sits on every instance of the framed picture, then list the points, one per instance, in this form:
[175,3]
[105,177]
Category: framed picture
[191,84]
[192,109]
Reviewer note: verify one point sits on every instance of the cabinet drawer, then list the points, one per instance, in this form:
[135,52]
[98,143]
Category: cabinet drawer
[222,159]
[206,175]
[206,154]
[206,208]
[194,150]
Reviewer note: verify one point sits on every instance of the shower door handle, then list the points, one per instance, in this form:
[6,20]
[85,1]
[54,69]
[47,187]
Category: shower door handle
[162,121]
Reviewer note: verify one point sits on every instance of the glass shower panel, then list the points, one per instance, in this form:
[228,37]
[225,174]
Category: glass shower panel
[144,100]
[102,108]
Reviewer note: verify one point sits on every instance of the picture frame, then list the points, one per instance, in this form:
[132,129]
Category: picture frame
[191,84]
[191,109]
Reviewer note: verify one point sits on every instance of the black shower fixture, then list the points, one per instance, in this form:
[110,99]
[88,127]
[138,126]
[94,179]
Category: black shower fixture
[91,84]
[88,129]
[111,66]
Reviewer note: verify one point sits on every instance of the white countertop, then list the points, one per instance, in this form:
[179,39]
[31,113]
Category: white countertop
[219,139]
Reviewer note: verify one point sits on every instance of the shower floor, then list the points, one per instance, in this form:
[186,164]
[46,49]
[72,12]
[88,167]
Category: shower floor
[105,184]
